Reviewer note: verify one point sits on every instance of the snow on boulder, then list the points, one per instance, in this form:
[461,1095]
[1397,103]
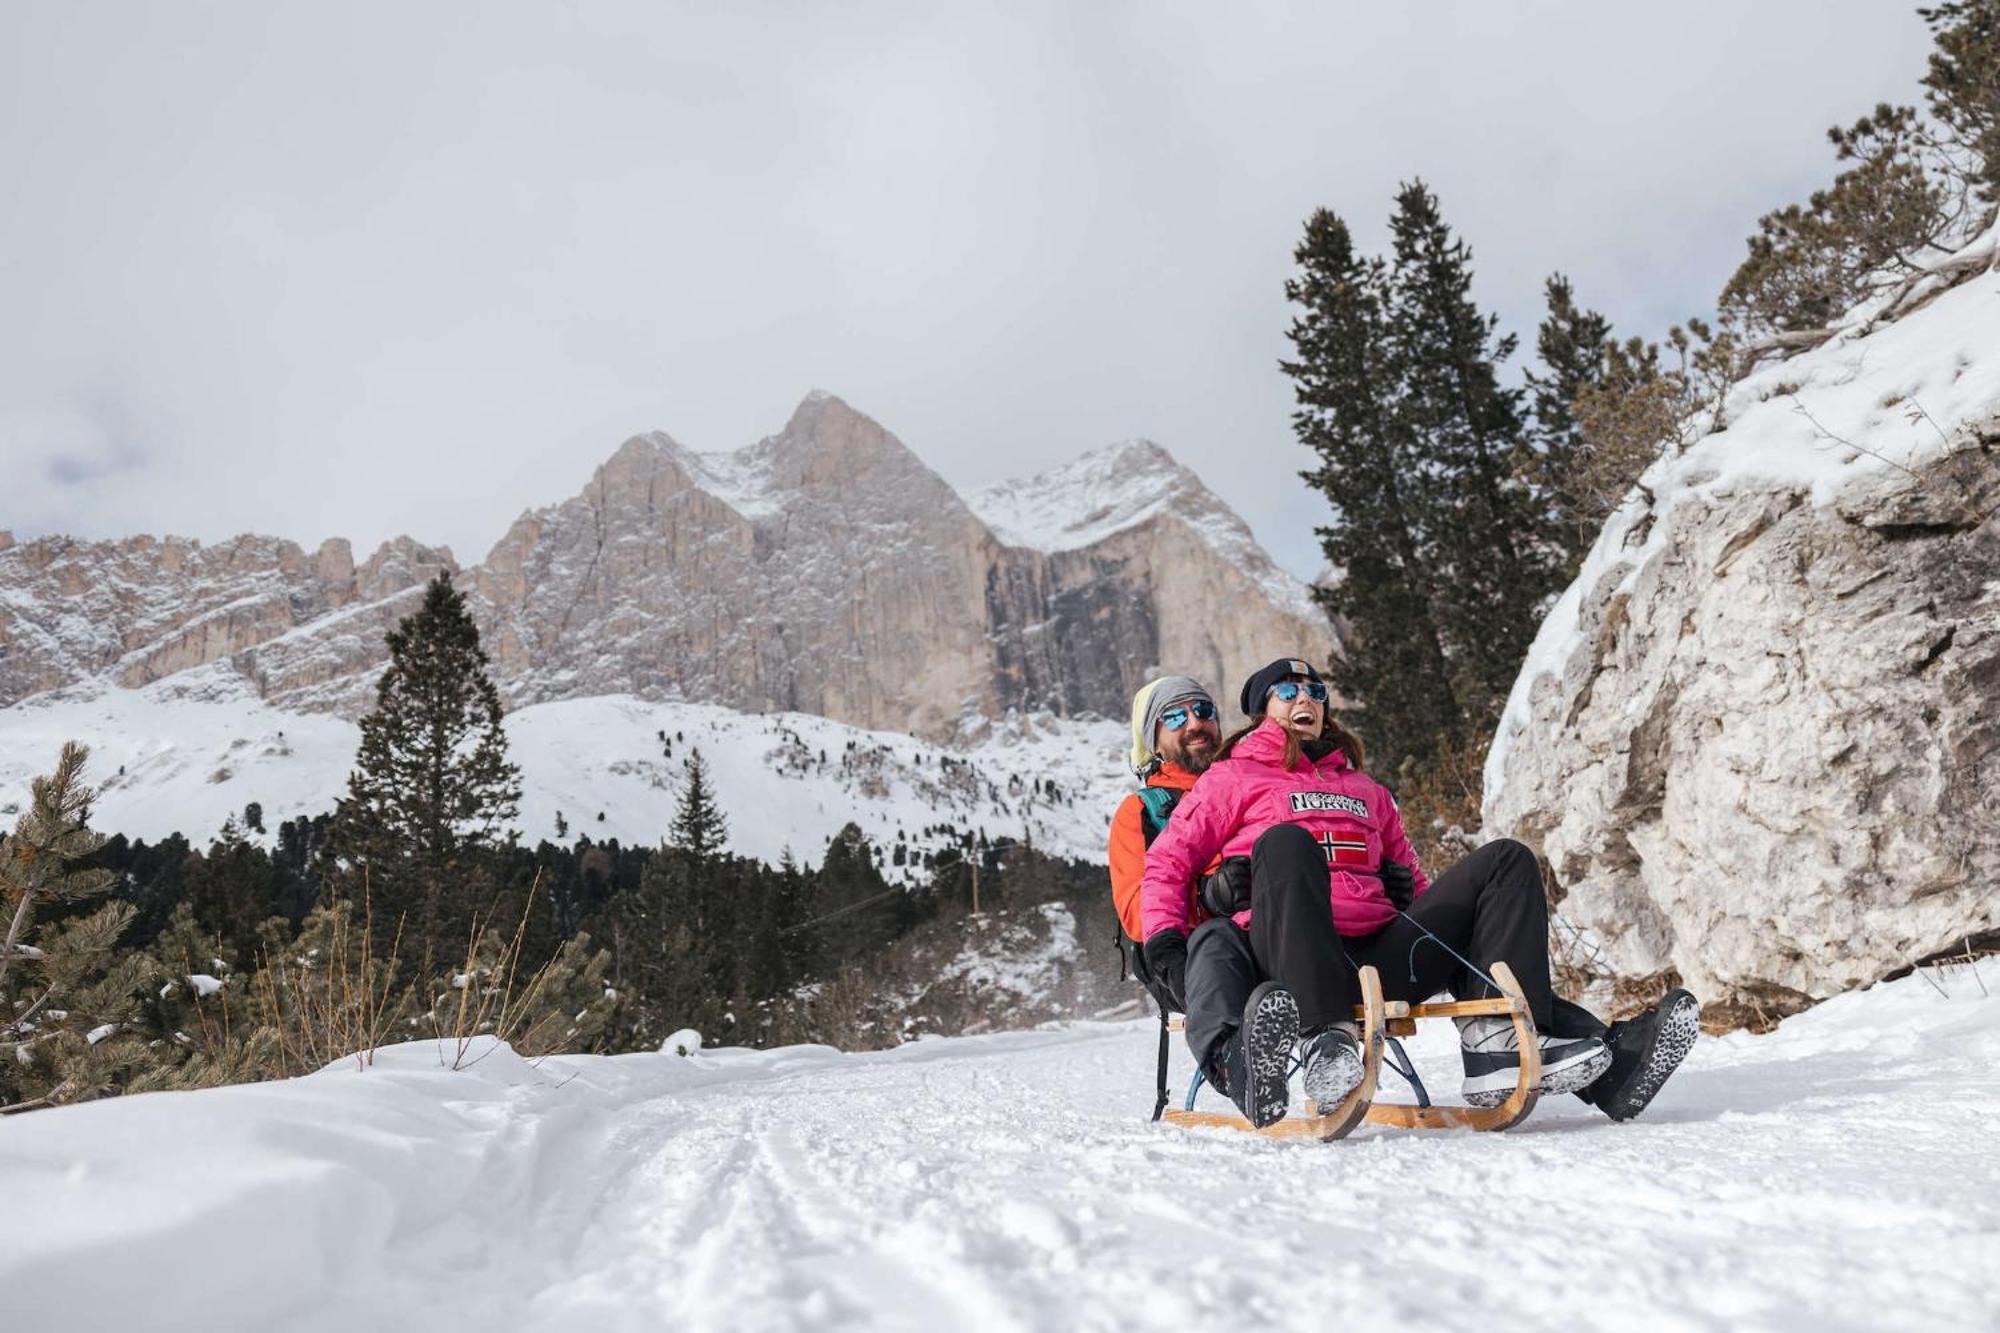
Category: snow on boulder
[1756,737]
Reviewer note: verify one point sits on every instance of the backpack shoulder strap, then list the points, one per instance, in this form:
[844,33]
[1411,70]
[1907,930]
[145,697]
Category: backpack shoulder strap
[1158,807]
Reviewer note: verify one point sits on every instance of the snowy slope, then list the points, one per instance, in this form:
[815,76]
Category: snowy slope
[1837,1174]
[196,749]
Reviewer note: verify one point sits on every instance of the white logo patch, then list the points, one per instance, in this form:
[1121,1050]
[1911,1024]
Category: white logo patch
[1304,802]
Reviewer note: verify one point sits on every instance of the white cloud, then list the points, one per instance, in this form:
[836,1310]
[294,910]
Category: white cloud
[378,268]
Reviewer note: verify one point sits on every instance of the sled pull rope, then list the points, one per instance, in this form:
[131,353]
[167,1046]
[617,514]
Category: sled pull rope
[1476,970]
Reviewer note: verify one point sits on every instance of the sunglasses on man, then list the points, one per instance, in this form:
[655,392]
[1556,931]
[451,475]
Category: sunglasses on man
[1177,717]
[1288,690]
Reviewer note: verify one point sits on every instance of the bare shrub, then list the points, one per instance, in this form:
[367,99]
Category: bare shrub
[327,996]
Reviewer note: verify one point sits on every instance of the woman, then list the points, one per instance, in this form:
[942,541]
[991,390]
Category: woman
[1330,878]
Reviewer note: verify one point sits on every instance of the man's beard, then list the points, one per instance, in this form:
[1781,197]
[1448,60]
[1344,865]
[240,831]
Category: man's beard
[1193,762]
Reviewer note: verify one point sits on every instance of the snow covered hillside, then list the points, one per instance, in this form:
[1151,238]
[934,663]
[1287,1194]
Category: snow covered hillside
[185,754]
[1836,1174]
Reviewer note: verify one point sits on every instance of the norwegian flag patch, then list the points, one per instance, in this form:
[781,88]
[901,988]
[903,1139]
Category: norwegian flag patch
[1344,849]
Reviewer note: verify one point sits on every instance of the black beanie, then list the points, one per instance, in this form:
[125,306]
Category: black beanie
[1260,683]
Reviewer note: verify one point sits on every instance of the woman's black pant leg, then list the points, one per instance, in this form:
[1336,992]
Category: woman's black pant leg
[1291,926]
[1489,907]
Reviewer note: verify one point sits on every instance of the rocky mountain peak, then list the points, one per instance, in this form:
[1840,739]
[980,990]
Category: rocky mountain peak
[1092,496]
[829,449]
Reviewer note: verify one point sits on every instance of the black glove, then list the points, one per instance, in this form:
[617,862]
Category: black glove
[1166,957]
[1399,884]
[1227,891]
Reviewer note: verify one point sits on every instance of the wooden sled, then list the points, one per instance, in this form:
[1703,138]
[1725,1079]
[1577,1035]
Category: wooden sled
[1382,1022]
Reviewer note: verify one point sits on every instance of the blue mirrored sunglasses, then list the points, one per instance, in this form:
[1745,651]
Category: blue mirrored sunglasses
[1288,690]
[1177,717]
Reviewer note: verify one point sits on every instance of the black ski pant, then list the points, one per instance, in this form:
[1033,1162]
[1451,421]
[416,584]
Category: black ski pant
[1489,907]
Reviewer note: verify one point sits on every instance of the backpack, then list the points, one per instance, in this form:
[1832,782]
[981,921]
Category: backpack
[1156,807]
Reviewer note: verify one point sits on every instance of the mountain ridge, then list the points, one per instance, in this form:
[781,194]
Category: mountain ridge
[825,568]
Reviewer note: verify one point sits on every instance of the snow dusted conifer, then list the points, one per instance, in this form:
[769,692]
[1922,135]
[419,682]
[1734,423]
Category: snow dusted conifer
[1493,561]
[1570,345]
[1396,675]
[699,827]
[1962,85]
[432,786]
[67,996]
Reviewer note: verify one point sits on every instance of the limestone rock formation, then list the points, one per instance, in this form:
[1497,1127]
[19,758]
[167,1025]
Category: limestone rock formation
[1126,565]
[135,611]
[825,569]
[1757,740]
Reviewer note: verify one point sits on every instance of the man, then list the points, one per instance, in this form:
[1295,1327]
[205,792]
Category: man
[1175,736]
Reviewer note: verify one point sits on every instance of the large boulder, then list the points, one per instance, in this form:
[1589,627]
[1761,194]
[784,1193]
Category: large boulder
[1757,739]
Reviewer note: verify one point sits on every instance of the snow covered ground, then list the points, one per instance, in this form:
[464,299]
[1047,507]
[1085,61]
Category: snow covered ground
[188,752]
[1839,1173]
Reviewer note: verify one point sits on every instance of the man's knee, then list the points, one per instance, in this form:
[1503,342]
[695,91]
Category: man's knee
[1219,942]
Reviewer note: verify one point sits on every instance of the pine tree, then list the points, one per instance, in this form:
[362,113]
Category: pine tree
[659,952]
[1494,560]
[1570,345]
[432,787]
[1396,676]
[231,889]
[1962,83]
[68,995]
[699,828]
[853,904]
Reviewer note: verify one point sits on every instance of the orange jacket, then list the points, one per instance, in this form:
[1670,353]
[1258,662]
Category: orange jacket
[1128,849]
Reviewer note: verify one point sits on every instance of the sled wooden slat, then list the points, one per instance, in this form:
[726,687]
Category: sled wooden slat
[1442,1009]
[1291,1127]
[1403,1115]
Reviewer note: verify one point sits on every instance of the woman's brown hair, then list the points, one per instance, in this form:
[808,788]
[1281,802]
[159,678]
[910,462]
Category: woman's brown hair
[1343,740]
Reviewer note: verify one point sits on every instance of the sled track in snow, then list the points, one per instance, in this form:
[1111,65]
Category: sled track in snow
[1838,1174]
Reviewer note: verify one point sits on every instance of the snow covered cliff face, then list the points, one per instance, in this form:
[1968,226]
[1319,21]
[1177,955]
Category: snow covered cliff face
[1122,563]
[827,570]
[824,570]
[131,612]
[1758,738]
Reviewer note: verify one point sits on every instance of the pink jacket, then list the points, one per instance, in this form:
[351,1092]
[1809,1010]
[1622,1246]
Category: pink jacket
[1350,814]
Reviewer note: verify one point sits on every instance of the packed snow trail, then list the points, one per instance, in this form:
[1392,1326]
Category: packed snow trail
[1840,1173]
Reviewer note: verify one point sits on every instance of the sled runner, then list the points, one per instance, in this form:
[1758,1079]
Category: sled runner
[1382,1024]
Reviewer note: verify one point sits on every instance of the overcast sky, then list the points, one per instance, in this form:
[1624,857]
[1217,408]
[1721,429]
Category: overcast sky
[362,269]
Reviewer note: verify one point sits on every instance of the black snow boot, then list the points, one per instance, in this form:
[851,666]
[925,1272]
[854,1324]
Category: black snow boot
[1253,1065]
[1645,1050]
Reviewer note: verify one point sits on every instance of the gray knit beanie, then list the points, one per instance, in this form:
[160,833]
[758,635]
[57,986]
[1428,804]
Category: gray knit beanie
[1169,691]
